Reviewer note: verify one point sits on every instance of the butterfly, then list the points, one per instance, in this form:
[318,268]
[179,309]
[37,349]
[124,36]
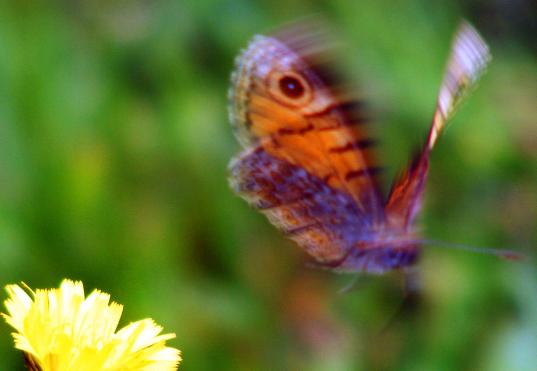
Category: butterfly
[310,163]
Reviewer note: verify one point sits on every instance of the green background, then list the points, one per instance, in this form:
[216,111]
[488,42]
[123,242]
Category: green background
[114,142]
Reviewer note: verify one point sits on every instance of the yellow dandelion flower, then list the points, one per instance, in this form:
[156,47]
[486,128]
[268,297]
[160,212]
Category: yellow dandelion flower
[60,330]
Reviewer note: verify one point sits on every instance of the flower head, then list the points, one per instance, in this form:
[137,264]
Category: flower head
[60,330]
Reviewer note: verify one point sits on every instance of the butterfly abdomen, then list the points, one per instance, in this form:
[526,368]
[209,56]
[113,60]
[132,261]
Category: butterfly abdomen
[379,260]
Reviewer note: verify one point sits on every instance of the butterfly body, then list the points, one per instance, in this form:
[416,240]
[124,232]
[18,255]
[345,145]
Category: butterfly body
[310,163]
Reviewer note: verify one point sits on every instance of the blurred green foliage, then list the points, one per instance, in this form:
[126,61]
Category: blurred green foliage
[114,143]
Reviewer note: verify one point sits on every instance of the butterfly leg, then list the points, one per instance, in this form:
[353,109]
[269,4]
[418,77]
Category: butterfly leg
[411,281]
[357,277]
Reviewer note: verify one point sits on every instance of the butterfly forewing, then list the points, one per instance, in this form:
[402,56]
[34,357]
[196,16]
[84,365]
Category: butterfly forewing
[323,129]
[309,161]
[468,59]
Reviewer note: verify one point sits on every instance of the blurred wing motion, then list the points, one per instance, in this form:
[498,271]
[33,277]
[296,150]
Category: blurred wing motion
[309,162]
[469,58]
[467,62]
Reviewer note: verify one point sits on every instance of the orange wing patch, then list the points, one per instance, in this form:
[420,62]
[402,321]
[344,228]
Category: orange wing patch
[286,99]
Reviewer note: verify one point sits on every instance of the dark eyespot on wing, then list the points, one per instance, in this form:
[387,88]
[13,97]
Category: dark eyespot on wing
[326,222]
[291,87]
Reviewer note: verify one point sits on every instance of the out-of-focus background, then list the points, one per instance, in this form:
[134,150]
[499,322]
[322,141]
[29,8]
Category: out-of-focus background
[114,142]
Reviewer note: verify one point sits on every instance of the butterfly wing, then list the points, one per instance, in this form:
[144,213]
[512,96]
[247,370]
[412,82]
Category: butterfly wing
[324,221]
[318,126]
[309,162]
[467,62]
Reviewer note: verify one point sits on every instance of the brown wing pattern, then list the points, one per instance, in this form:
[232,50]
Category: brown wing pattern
[324,221]
[286,98]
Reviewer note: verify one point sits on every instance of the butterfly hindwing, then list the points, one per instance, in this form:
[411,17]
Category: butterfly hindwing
[324,221]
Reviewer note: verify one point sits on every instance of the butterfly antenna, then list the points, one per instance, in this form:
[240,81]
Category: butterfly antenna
[501,253]
[467,62]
